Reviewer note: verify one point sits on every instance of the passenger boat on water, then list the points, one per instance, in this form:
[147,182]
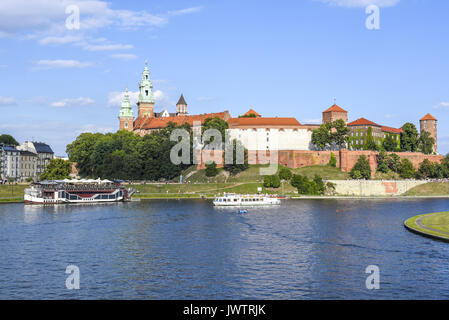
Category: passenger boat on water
[76,191]
[231,199]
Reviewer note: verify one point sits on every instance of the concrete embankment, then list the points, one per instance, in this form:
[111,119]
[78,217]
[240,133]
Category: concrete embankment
[374,188]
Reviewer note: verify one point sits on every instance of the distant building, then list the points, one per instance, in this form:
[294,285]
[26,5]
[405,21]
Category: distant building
[429,123]
[361,128]
[27,165]
[43,151]
[9,162]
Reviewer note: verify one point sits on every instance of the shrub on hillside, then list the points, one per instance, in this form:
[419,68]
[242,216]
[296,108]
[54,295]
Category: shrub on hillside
[311,187]
[211,169]
[285,174]
[361,169]
[407,170]
[271,181]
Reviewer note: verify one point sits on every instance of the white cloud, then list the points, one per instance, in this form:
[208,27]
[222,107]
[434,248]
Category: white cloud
[311,121]
[60,40]
[49,64]
[7,101]
[107,47]
[442,105]
[93,128]
[360,3]
[389,115]
[46,19]
[123,56]
[204,98]
[69,102]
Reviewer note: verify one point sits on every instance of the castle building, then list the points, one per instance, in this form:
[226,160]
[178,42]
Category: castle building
[264,133]
[429,123]
[335,113]
[147,120]
[362,128]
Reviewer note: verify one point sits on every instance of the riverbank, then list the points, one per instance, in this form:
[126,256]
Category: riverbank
[433,225]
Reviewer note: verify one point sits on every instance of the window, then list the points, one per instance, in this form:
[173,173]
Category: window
[126,124]
[146,92]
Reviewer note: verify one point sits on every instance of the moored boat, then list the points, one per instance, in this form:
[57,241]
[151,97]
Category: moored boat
[76,191]
[231,199]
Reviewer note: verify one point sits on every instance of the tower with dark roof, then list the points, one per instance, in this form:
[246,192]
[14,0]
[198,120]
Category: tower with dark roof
[429,123]
[181,106]
[335,113]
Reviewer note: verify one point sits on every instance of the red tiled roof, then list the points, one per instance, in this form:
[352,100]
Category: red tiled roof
[335,108]
[251,111]
[363,122]
[428,117]
[263,122]
[162,122]
[391,130]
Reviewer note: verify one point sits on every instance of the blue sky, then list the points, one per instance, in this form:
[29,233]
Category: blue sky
[282,58]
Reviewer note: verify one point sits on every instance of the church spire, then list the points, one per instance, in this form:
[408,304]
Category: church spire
[181,106]
[146,86]
[126,115]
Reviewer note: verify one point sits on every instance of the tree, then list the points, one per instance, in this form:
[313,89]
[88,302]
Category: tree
[311,187]
[332,160]
[409,138]
[57,169]
[429,169]
[340,135]
[331,133]
[215,123]
[361,169]
[285,174]
[80,151]
[407,170]
[388,162]
[389,143]
[426,142]
[234,167]
[211,169]
[8,140]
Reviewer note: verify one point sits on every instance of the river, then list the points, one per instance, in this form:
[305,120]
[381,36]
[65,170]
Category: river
[187,249]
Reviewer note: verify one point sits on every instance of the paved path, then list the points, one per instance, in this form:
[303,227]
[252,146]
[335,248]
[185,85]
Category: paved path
[419,223]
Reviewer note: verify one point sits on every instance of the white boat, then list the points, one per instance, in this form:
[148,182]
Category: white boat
[76,191]
[231,199]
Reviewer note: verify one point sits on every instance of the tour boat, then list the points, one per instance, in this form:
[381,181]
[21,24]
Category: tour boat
[231,199]
[76,191]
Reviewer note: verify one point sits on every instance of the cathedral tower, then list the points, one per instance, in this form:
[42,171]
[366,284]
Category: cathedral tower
[126,115]
[181,106]
[145,105]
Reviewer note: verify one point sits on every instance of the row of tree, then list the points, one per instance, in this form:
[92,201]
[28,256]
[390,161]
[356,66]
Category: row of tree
[392,163]
[127,156]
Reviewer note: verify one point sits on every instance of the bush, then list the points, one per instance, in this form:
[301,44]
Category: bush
[285,174]
[407,170]
[332,160]
[211,169]
[361,169]
[429,169]
[311,187]
[271,181]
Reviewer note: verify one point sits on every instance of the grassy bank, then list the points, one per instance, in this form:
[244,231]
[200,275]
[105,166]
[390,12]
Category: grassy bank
[11,192]
[433,224]
[430,189]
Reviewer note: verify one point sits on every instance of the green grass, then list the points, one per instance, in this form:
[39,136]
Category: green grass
[325,172]
[12,190]
[430,189]
[437,221]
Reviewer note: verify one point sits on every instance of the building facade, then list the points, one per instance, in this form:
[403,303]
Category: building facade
[27,165]
[9,162]
[43,152]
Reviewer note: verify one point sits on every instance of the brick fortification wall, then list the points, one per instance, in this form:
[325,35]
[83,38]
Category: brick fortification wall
[346,159]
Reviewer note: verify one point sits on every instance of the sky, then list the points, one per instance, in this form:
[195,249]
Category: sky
[281,58]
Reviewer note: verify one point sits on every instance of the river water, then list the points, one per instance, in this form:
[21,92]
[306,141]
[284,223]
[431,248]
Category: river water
[187,249]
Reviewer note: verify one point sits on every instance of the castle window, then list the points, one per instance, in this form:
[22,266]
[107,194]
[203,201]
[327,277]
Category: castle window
[126,124]
[146,92]
[146,77]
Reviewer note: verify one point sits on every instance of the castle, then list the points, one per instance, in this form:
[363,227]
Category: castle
[258,133]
